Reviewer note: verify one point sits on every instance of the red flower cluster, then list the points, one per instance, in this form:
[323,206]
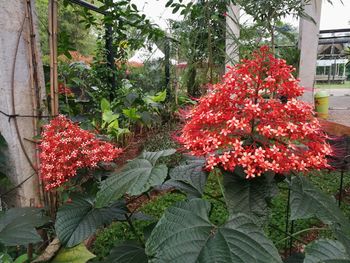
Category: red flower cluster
[253,120]
[65,90]
[65,148]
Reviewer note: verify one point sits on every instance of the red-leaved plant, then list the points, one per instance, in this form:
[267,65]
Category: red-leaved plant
[65,148]
[253,120]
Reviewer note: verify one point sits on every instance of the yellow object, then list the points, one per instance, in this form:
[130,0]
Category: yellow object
[322,104]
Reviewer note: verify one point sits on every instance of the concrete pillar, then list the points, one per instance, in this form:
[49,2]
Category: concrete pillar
[21,89]
[232,34]
[308,43]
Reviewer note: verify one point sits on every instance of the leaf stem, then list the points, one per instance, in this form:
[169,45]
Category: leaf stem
[133,229]
[300,232]
[220,183]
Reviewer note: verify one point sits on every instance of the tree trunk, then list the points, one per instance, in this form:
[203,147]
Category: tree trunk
[22,90]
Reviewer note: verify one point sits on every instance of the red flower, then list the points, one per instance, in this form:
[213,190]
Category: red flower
[65,90]
[65,148]
[253,120]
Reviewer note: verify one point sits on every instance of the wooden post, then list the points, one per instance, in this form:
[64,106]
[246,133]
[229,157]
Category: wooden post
[308,44]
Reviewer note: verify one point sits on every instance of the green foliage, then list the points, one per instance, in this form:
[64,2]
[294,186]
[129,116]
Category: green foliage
[185,234]
[201,37]
[251,197]
[153,157]
[189,177]
[157,207]
[326,251]
[78,220]
[137,177]
[5,258]
[5,182]
[268,14]
[77,254]
[110,121]
[163,139]
[3,157]
[127,252]
[72,35]
[159,97]
[308,201]
[17,226]
[118,232]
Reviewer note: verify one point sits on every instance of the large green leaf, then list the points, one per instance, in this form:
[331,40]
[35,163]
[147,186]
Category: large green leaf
[326,251]
[249,196]
[127,252]
[131,113]
[109,117]
[105,105]
[17,226]
[190,178]
[77,254]
[21,259]
[342,233]
[185,234]
[78,220]
[295,258]
[159,97]
[308,201]
[137,177]
[154,156]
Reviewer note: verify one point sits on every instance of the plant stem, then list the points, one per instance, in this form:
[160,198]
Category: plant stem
[220,183]
[300,232]
[132,228]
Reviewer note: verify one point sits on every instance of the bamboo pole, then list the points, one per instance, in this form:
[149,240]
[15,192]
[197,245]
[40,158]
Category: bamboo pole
[35,88]
[53,56]
[52,196]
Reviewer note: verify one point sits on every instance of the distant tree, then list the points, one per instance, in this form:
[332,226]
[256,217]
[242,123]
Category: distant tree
[201,38]
[72,34]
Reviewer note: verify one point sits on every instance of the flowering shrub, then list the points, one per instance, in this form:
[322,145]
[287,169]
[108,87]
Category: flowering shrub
[253,120]
[65,90]
[65,148]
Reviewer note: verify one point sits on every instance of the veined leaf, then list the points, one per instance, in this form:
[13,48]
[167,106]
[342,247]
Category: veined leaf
[127,252]
[248,196]
[326,251]
[77,254]
[153,157]
[308,201]
[190,178]
[17,226]
[78,220]
[185,234]
[137,177]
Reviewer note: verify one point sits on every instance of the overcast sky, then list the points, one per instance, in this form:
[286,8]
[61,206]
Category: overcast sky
[336,16]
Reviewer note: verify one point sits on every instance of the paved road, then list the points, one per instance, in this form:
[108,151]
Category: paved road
[336,92]
[339,104]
